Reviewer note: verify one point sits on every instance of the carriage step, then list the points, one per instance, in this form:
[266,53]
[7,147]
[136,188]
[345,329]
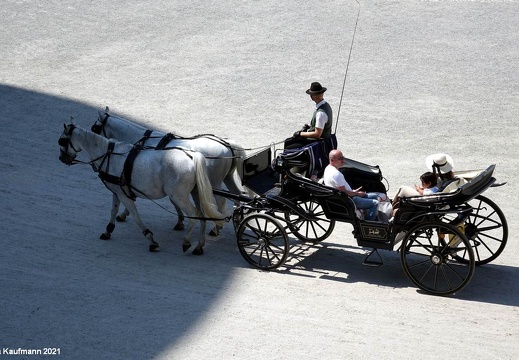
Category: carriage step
[373,262]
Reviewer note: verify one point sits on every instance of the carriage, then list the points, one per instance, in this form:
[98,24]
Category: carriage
[440,237]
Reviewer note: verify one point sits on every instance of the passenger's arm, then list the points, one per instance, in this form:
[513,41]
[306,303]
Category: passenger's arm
[351,193]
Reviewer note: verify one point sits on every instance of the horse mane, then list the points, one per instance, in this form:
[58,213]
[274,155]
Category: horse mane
[100,141]
[123,120]
[224,141]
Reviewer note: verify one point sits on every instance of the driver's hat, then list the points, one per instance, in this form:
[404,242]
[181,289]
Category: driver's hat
[315,88]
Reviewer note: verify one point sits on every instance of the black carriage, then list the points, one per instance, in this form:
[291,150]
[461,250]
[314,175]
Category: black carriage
[440,238]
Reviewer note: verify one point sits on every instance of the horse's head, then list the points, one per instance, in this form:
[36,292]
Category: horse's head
[99,126]
[67,150]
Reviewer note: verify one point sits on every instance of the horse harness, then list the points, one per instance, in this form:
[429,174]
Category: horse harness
[164,141]
[124,180]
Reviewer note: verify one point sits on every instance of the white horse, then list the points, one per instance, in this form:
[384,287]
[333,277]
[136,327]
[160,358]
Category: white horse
[222,156]
[154,175]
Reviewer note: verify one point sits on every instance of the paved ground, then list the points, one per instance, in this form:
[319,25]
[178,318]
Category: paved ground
[424,77]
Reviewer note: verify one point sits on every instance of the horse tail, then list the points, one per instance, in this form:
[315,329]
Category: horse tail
[205,190]
[232,179]
[239,154]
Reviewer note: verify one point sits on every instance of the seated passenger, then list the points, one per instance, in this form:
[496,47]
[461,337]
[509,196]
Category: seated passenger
[428,187]
[436,180]
[429,182]
[441,165]
[334,178]
[321,123]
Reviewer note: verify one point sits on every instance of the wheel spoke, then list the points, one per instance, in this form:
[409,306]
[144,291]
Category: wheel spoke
[488,229]
[429,261]
[262,241]
[315,230]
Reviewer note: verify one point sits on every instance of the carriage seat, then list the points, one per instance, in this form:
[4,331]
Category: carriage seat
[311,158]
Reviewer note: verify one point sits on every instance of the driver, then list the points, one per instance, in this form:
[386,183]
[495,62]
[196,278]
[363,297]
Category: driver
[321,123]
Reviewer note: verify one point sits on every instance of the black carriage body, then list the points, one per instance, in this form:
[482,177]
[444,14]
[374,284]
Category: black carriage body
[438,235]
[283,190]
[337,206]
[286,189]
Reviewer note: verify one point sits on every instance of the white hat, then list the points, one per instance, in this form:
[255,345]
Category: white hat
[442,162]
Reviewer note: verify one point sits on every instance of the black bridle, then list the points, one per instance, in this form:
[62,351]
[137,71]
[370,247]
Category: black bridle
[98,128]
[65,142]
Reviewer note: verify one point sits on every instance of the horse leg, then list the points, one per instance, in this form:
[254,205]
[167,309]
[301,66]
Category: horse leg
[233,186]
[232,183]
[111,225]
[178,226]
[130,205]
[122,216]
[190,211]
[220,202]
[199,250]
[180,220]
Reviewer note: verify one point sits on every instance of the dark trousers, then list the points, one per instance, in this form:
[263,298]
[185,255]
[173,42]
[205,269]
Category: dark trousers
[297,142]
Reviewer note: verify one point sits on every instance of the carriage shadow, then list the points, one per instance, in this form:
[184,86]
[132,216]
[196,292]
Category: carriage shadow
[343,263]
[493,284]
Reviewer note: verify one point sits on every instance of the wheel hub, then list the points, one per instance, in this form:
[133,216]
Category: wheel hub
[471,231]
[262,242]
[436,259]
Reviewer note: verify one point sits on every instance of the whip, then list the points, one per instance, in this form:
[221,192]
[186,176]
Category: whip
[347,66]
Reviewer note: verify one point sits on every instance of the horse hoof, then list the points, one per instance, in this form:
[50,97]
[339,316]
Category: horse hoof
[198,251]
[154,247]
[214,233]
[179,227]
[120,218]
[104,236]
[185,247]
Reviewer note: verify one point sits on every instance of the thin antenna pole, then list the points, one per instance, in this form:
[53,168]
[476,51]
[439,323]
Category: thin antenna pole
[347,66]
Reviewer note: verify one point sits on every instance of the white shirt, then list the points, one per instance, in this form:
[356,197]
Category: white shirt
[334,178]
[320,118]
[430,191]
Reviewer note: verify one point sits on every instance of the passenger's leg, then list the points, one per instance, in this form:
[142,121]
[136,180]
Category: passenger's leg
[404,191]
[369,204]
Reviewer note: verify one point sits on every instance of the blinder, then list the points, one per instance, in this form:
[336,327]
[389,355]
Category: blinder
[63,141]
[96,128]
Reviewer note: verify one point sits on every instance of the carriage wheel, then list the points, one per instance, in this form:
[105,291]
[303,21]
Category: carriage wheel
[263,241]
[310,230]
[487,230]
[429,258]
